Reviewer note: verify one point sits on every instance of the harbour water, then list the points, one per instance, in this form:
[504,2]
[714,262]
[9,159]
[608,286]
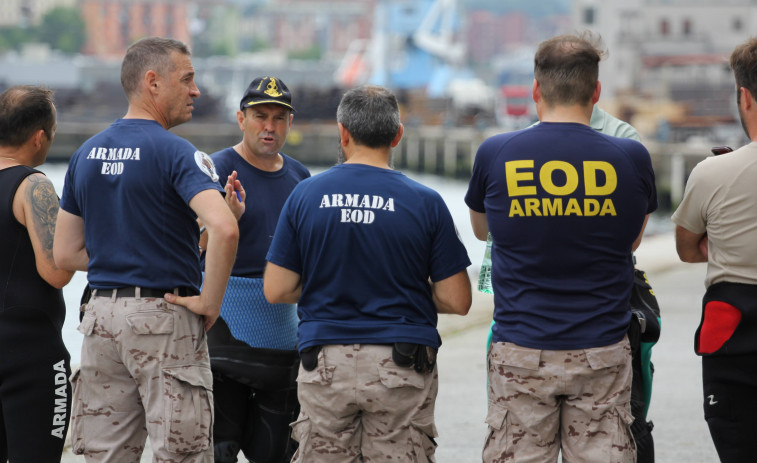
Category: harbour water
[452,190]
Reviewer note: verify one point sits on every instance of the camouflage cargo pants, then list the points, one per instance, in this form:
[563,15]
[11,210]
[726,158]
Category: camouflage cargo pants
[358,405]
[144,370]
[577,401]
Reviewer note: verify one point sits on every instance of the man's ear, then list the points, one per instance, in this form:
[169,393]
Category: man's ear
[344,135]
[151,80]
[398,137]
[37,139]
[536,92]
[240,119]
[597,92]
[748,98]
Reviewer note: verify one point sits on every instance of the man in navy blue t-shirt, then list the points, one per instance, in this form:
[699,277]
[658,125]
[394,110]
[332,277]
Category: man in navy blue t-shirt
[565,206]
[128,214]
[253,344]
[372,257]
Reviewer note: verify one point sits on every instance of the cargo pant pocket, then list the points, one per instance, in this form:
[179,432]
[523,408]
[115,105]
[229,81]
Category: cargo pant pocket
[408,387]
[423,431]
[517,393]
[87,324]
[496,437]
[96,422]
[613,356]
[188,395]
[152,322]
[321,375]
[623,449]
[393,376]
[76,429]
[301,433]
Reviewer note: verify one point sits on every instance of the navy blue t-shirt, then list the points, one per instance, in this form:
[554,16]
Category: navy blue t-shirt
[266,194]
[366,241]
[132,184]
[564,205]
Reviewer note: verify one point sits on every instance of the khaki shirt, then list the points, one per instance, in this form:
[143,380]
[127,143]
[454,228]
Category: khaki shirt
[721,199]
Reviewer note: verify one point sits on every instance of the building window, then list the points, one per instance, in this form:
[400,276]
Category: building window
[123,19]
[664,27]
[687,27]
[589,14]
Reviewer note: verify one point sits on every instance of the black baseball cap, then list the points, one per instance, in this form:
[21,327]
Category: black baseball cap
[266,90]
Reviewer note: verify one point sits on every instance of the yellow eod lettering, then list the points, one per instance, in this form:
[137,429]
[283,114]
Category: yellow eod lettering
[520,182]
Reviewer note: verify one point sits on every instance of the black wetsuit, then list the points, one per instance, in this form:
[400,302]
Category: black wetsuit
[35,395]
[725,339]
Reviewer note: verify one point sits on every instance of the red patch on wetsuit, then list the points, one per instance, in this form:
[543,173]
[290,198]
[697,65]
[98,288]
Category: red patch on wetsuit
[720,321]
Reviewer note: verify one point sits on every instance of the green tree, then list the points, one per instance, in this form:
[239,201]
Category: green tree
[257,44]
[11,38]
[63,29]
[313,53]
[218,36]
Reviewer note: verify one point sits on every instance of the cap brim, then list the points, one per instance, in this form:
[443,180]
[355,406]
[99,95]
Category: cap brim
[253,103]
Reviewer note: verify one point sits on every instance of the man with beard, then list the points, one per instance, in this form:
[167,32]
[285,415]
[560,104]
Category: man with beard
[716,223]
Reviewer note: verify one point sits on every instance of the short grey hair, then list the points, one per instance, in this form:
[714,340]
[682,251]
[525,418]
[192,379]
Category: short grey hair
[371,115]
[151,53]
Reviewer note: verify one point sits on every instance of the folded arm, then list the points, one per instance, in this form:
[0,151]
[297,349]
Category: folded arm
[691,247]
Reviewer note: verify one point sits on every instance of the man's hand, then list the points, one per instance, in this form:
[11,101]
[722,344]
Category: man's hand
[197,305]
[704,246]
[235,195]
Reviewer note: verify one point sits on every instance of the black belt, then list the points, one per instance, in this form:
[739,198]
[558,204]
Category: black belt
[131,291]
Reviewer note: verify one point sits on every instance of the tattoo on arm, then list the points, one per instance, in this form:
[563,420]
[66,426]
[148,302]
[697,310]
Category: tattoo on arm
[41,195]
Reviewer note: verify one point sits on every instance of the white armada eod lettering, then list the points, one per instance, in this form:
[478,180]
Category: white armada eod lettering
[114,158]
[357,208]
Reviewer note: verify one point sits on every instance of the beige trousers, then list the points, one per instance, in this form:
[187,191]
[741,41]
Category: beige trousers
[144,371]
[542,402]
[358,405]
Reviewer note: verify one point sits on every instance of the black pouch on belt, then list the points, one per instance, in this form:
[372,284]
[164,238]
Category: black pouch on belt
[309,357]
[408,355]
